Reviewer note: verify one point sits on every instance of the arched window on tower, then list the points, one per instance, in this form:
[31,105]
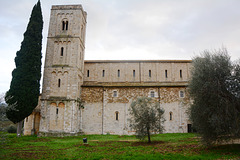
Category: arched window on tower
[57,110]
[62,49]
[63,25]
[66,23]
[59,82]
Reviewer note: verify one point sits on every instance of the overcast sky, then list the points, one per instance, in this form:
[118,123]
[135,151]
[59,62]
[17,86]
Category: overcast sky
[131,29]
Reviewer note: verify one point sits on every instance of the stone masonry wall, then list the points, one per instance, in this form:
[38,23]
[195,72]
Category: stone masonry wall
[100,108]
[144,71]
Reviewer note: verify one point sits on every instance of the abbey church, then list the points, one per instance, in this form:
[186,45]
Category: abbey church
[93,96]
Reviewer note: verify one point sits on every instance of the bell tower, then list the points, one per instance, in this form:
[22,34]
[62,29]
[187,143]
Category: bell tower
[63,71]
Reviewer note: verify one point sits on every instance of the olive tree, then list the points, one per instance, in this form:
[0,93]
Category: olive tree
[146,117]
[214,89]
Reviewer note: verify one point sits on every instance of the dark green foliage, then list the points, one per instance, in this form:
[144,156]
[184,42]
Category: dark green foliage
[215,109]
[22,96]
[147,117]
[12,129]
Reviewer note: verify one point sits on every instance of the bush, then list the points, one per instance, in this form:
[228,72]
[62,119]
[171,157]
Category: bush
[12,129]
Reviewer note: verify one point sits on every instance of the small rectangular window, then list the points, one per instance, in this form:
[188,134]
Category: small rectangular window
[152,94]
[118,73]
[166,76]
[180,73]
[150,73]
[87,73]
[103,73]
[114,93]
[133,73]
[181,94]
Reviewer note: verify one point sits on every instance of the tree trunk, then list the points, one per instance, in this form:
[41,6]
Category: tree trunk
[19,128]
[149,138]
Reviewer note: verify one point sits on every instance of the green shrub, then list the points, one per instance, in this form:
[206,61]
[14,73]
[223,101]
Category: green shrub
[12,129]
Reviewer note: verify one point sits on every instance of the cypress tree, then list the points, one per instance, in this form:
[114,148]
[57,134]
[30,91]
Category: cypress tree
[23,94]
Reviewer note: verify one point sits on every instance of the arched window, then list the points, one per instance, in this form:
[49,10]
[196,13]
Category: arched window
[62,49]
[66,23]
[152,94]
[63,25]
[116,114]
[118,73]
[59,82]
[170,116]
[57,110]
[133,73]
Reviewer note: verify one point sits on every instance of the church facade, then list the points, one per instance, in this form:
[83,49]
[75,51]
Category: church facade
[93,96]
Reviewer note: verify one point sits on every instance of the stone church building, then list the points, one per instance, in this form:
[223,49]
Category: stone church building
[106,88]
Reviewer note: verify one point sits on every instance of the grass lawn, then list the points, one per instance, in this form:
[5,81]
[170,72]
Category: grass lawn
[164,146]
